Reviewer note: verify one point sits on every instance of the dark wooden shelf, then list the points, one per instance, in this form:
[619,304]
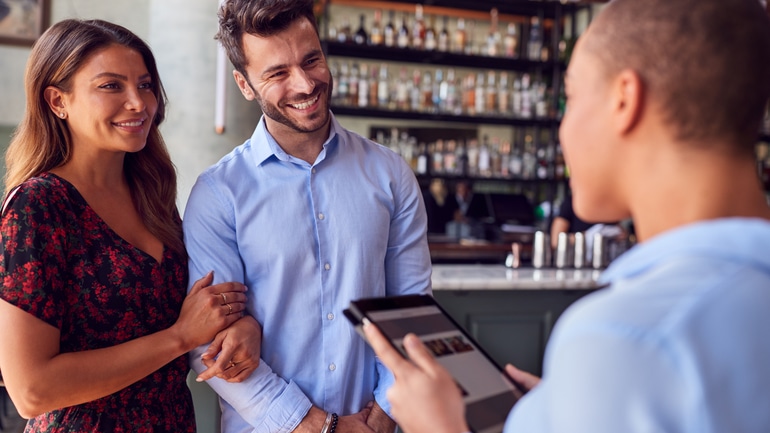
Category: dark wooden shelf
[343,110]
[475,179]
[433,58]
[546,9]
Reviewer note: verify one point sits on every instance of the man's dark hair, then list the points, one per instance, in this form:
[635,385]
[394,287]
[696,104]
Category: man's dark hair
[257,17]
[706,63]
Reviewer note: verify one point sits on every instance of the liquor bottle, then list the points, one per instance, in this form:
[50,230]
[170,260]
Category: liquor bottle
[515,163]
[431,39]
[526,97]
[516,98]
[361,37]
[402,41]
[437,97]
[559,166]
[443,36]
[460,38]
[383,87]
[505,159]
[343,33]
[363,87]
[344,84]
[402,90]
[422,159]
[426,92]
[449,97]
[414,96]
[491,93]
[503,95]
[493,38]
[373,85]
[376,37]
[473,157]
[438,157]
[541,102]
[450,158]
[529,161]
[353,86]
[480,94]
[535,40]
[511,41]
[389,34]
[469,94]
[484,158]
[461,156]
[470,45]
[495,159]
[418,30]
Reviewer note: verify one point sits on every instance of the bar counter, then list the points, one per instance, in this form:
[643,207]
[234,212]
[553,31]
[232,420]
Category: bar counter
[510,312]
[498,277]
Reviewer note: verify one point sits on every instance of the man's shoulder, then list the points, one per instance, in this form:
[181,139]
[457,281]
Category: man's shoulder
[231,160]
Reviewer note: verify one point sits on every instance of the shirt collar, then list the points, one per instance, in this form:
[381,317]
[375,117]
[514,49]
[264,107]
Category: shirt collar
[741,240]
[264,145]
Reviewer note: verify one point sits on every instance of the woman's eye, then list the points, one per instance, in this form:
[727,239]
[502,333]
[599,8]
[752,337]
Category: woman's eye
[111,86]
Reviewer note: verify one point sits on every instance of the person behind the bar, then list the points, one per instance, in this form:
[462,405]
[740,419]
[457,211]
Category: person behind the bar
[309,216]
[665,101]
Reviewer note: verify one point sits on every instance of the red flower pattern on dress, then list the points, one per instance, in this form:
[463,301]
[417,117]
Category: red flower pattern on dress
[64,265]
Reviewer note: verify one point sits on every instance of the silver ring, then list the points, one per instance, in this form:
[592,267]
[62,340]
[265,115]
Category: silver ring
[232,364]
[224,299]
[231,309]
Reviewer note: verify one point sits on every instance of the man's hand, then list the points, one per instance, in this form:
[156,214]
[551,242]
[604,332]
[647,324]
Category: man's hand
[379,421]
[234,353]
[425,397]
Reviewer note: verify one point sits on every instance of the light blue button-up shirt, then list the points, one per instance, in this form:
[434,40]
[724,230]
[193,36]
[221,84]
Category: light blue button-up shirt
[306,239]
[678,343]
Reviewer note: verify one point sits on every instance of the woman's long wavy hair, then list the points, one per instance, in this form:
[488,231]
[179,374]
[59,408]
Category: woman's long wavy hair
[42,141]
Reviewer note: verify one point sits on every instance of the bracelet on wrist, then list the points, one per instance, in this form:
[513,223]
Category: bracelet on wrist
[333,425]
[327,423]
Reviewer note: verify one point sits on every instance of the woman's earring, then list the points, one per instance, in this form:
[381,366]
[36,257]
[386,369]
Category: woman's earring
[62,115]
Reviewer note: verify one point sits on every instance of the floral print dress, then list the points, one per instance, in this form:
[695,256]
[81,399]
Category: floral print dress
[64,265]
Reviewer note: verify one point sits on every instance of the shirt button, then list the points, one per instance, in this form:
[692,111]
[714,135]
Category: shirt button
[313,170]
[321,216]
[327,266]
[330,316]
[332,367]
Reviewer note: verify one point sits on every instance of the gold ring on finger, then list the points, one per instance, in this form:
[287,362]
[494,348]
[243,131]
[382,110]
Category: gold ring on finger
[231,309]
[232,364]
[224,299]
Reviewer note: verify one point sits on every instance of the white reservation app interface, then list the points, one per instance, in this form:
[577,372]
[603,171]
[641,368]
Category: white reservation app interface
[488,395]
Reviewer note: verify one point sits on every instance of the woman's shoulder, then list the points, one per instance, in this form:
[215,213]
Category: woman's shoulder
[42,190]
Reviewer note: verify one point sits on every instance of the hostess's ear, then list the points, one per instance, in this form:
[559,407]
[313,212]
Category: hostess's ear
[628,98]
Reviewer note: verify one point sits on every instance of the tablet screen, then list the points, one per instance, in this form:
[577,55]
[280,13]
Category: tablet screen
[488,393]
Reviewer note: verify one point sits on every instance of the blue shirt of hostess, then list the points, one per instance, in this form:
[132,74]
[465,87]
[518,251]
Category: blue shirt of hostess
[677,343]
[306,239]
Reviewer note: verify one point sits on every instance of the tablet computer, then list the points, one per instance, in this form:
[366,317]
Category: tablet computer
[489,393]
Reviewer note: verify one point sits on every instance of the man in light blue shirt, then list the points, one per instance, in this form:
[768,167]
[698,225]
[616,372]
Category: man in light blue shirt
[309,216]
[653,131]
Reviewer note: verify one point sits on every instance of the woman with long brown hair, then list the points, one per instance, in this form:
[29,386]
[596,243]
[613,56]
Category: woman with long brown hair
[95,322]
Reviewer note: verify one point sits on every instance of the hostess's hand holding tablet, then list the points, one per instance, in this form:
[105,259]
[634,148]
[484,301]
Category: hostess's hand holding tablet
[488,393]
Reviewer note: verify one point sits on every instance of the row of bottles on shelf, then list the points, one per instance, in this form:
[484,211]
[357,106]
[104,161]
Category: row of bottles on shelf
[415,32]
[488,93]
[485,158]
